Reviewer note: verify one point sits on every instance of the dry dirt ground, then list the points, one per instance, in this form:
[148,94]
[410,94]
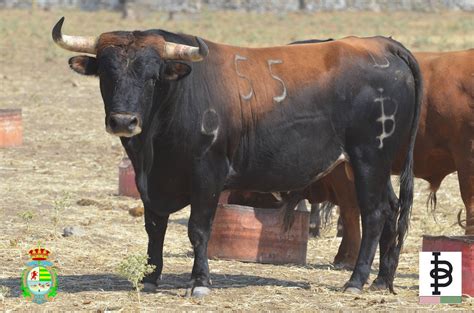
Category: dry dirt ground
[67,156]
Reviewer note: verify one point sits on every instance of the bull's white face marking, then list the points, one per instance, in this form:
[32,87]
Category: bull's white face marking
[210,124]
[383,118]
[281,97]
[136,131]
[376,64]
[248,95]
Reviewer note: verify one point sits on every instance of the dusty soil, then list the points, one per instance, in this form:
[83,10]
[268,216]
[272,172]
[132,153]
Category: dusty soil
[67,157]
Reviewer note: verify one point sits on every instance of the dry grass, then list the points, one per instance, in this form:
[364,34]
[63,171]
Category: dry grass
[67,156]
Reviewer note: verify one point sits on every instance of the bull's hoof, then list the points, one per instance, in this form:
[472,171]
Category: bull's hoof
[381,285]
[378,285]
[314,231]
[198,292]
[343,265]
[352,290]
[149,287]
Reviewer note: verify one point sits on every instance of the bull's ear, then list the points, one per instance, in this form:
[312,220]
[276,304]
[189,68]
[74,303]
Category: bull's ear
[84,64]
[173,70]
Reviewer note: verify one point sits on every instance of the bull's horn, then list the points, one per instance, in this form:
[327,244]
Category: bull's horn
[73,43]
[176,51]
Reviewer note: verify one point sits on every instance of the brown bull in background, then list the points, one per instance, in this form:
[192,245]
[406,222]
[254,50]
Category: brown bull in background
[444,144]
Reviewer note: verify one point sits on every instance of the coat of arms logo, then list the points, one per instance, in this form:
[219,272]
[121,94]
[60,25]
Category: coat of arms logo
[39,281]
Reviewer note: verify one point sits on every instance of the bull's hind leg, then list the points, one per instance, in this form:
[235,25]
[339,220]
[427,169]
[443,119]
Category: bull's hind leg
[346,256]
[371,175]
[389,253]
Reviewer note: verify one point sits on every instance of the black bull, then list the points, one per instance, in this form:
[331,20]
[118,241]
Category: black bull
[267,120]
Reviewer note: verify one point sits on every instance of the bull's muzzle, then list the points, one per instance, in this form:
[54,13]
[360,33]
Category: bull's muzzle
[123,124]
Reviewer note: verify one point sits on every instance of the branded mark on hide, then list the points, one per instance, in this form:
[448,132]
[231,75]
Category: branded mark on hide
[384,118]
[376,64]
[237,59]
[281,97]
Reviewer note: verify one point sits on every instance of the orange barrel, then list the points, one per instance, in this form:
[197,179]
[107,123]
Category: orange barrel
[224,197]
[250,234]
[11,128]
[127,185]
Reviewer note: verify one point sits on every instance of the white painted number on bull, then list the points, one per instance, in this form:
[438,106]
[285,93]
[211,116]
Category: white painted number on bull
[383,118]
[281,97]
[248,96]
[376,64]
[236,60]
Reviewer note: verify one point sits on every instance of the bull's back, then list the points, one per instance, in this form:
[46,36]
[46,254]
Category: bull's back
[311,97]
[446,116]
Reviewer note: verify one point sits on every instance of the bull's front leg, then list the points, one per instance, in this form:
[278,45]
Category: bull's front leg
[155,226]
[207,182]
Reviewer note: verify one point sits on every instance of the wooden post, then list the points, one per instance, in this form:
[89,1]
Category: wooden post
[128,12]
[302,5]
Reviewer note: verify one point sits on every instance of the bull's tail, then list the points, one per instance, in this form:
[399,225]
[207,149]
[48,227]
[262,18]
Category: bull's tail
[432,201]
[407,176]
[461,221]
[287,208]
[326,213]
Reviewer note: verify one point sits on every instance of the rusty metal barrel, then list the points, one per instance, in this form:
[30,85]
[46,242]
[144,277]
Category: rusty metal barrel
[256,235]
[11,128]
[127,185]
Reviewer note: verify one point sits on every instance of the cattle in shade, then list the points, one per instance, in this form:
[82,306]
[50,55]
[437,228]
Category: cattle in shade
[197,117]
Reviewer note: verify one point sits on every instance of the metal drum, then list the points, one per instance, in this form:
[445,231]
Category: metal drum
[11,128]
[127,185]
[256,235]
